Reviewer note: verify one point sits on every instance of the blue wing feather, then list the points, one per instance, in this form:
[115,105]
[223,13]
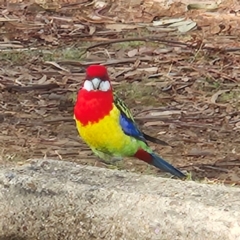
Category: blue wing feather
[127,122]
[130,128]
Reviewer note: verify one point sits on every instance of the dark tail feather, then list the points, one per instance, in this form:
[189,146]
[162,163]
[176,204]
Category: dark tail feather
[155,140]
[165,166]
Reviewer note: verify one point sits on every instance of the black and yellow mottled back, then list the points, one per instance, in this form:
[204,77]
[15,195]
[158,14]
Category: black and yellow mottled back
[122,107]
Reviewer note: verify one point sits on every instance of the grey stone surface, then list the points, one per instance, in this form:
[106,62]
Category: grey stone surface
[49,199]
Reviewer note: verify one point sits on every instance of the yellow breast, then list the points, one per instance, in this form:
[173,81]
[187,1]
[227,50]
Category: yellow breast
[106,135]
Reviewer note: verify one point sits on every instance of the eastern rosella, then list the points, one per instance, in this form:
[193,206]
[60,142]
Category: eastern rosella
[107,126]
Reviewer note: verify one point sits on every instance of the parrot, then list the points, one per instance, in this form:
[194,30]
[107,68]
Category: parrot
[107,126]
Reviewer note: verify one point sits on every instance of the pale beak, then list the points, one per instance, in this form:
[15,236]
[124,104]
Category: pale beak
[97,84]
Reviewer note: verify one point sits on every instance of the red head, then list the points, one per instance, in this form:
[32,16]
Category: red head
[97,71]
[95,99]
[97,79]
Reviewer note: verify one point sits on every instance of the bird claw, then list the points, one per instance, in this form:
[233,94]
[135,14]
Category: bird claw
[112,163]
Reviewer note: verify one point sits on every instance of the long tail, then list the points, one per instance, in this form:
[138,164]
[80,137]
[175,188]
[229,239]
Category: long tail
[155,160]
[165,166]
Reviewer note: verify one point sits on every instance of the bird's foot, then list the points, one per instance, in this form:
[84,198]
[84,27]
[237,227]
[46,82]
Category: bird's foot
[116,159]
[112,163]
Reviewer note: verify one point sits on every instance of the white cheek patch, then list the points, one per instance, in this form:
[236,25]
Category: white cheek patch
[96,85]
[105,86]
[88,85]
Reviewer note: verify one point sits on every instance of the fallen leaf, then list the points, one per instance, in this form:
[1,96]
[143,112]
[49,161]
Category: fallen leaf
[206,6]
[216,95]
[92,30]
[167,21]
[154,123]
[132,53]
[184,26]
[48,38]
[187,26]
[199,152]
[118,27]
[56,65]
[166,113]
[42,79]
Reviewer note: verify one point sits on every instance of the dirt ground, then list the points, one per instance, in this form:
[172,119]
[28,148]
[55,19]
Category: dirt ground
[182,86]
